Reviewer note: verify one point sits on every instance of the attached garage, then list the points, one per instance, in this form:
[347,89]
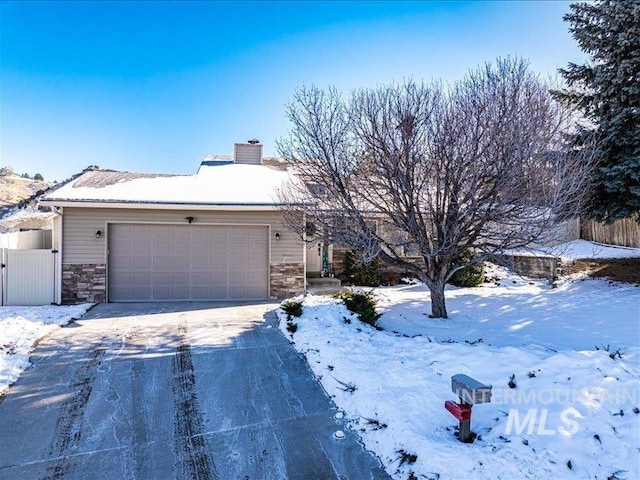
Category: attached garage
[156,262]
[216,235]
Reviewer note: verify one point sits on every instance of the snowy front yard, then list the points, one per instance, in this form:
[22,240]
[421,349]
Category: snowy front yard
[571,410]
[20,329]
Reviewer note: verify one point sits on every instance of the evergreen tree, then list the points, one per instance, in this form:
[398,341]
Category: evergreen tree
[607,90]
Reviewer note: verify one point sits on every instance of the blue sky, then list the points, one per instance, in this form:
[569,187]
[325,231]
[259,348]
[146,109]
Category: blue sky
[153,86]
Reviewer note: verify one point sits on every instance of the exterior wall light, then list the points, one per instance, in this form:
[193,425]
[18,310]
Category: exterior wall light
[190,219]
[277,235]
[99,234]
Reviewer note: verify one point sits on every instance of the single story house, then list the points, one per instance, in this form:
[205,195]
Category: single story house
[214,235]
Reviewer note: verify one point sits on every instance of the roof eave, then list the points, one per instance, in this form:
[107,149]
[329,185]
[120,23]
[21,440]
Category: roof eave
[131,204]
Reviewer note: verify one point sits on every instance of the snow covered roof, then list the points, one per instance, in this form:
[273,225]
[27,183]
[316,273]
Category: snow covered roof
[221,183]
[26,218]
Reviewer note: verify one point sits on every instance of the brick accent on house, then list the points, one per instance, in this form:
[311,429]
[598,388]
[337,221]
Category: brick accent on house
[84,282]
[287,280]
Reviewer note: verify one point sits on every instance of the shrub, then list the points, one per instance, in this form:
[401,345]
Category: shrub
[362,304]
[468,276]
[292,308]
[358,273]
[390,278]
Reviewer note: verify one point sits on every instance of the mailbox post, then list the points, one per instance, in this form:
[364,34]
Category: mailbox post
[470,392]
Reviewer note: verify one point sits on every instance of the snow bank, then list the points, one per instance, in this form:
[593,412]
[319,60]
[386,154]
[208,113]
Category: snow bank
[572,414]
[21,327]
[583,249]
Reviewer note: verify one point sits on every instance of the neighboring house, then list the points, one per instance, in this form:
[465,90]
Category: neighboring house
[18,199]
[27,218]
[214,235]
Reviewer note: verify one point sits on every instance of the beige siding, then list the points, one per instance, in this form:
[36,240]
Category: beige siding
[81,224]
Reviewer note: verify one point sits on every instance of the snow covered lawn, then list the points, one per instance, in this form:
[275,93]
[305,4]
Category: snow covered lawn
[572,411]
[584,249]
[21,327]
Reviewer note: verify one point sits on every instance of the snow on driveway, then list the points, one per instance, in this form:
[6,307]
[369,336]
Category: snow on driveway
[573,409]
[20,329]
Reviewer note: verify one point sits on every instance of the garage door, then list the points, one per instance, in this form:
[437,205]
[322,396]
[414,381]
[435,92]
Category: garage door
[187,262]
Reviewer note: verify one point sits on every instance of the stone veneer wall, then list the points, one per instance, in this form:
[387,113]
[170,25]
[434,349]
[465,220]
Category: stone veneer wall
[84,282]
[530,266]
[287,280]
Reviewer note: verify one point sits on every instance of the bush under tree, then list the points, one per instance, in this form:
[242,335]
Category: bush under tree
[357,272]
[470,275]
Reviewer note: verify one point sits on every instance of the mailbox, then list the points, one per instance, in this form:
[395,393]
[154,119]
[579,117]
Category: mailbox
[469,390]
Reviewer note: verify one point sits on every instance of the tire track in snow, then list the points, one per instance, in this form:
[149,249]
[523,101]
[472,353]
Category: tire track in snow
[68,430]
[139,415]
[192,452]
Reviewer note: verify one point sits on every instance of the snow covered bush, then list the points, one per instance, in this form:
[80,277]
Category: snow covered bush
[292,308]
[362,304]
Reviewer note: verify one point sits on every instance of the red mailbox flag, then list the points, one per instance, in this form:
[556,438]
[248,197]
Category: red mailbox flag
[461,412]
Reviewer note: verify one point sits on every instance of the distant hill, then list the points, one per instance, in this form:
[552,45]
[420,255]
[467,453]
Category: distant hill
[15,189]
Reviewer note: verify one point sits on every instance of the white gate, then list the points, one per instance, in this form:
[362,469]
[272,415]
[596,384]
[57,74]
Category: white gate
[27,277]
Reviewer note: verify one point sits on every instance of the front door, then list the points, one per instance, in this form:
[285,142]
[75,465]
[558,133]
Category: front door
[314,259]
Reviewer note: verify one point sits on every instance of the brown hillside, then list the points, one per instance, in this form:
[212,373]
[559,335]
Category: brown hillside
[13,189]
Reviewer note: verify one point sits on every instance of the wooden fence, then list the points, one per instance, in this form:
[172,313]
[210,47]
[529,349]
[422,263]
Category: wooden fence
[624,232]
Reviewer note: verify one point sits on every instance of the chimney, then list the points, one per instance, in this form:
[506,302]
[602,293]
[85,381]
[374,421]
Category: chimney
[248,153]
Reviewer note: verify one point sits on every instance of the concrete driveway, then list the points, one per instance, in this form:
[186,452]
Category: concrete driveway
[187,391]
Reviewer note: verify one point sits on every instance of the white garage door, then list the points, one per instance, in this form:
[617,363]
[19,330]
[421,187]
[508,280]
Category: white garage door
[187,262]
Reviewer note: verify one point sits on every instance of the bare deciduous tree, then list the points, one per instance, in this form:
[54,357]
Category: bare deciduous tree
[433,170]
